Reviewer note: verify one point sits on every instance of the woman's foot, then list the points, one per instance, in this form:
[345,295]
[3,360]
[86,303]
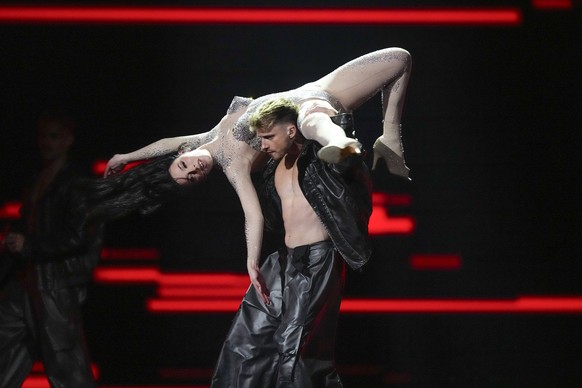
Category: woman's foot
[394,161]
[337,152]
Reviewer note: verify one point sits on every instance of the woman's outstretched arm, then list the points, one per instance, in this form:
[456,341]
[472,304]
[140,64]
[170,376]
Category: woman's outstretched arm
[239,175]
[155,149]
[237,107]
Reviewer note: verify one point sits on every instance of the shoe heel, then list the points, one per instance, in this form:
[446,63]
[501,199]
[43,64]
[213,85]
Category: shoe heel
[376,155]
[394,163]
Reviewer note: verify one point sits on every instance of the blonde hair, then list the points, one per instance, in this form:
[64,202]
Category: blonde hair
[272,112]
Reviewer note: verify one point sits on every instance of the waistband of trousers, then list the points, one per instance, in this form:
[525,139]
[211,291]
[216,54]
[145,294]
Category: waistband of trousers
[302,250]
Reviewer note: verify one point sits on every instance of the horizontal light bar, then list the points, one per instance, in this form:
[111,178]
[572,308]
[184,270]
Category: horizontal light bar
[519,305]
[522,305]
[42,382]
[183,15]
[193,306]
[100,165]
[132,275]
[120,275]
[219,292]
[382,224]
[37,377]
[384,199]
[435,262]
[130,254]
[553,4]
[202,292]
[36,382]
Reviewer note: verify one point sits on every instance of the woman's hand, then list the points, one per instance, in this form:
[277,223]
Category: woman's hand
[259,283]
[115,164]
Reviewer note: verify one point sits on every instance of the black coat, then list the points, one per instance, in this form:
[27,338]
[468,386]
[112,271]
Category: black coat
[340,194]
[59,235]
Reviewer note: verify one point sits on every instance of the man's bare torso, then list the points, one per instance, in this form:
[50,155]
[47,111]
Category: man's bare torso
[302,226]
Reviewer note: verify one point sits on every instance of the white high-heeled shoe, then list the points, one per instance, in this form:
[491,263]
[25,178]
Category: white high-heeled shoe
[394,162]
[335,153]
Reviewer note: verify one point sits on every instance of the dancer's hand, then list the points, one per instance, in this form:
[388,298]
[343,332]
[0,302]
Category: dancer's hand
[259,283]
[115,165]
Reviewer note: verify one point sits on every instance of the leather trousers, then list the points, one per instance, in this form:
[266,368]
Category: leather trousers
[291,341]
[39,317]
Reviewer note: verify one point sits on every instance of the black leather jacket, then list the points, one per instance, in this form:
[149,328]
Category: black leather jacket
[340,194]
[59,242]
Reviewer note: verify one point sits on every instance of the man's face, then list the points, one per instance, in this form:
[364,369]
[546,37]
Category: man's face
[277,140]
[53,140]
[191,167]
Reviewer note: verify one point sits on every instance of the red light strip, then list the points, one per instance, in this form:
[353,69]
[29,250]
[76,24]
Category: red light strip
[125,275]
[37,367]
[37,378]
[130,254]
[521,305]
[224,286]
[381,223]
[553,4]
[36,382]
[10,210]
[42,382]
[383,199]
[166,15]
[99,166]
[202,292]
[192,306]
[435,262]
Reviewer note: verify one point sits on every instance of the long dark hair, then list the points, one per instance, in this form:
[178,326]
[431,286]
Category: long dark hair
[143,188]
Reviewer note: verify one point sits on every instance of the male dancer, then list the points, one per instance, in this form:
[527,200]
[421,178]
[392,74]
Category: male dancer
[40,305]
[284,332]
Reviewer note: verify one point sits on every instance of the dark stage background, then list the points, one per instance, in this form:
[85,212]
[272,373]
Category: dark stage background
[491,131]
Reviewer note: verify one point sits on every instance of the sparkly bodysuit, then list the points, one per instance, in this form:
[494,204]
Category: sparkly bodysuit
[299,96]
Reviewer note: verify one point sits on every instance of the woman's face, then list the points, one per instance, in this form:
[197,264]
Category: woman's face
[191,167]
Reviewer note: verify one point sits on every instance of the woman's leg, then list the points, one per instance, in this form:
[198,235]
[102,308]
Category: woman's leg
[316,124]
[386,71]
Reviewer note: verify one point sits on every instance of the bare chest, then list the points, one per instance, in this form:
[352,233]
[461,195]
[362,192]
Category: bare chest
[287,182]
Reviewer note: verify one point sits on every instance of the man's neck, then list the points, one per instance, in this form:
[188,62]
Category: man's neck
[293,152]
